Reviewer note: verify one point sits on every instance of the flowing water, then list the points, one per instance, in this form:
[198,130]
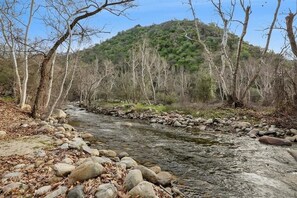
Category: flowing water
[207,164]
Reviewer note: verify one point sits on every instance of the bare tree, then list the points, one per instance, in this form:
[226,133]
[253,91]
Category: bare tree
[80,11]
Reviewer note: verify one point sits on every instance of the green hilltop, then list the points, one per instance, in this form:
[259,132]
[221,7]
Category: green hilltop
[174,40]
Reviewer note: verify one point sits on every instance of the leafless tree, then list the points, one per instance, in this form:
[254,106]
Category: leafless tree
[79,10]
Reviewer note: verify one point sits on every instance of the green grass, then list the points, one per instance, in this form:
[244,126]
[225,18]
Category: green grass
[7,99]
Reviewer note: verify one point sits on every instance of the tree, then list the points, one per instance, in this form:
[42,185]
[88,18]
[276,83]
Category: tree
[78,10]
[12,28]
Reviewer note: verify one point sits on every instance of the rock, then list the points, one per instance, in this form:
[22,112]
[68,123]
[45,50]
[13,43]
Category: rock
[2,134]
[123,154]
[129,162]
[293,153]
[77,143]
[202,128]
[67,160]
[241,125]
[91,151]
[68,127]
[64,146]
[101,160]
[58,114]
[108,153]
[11,186]
[106,191]
[61,129]
[40,153]
[292,138]
[19,166]
[45,129]
[63,169]
[164,178]
[293,131]
[253,133]
[274,141]
[147,174]
[12,175]
[76,192]
[261,133]
[156,169]
[43,190]
[60,191]
[86,135]
[177,124]
[209,121]
[26,107]
[59,135]
[133,178]
[86,171]
[143,190]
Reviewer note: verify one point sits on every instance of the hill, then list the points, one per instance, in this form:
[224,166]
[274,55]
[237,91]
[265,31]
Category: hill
[174,40]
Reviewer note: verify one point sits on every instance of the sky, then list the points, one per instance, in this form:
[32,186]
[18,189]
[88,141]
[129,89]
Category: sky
[150,12]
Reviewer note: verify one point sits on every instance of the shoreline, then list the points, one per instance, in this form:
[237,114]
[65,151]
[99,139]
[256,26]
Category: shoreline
[61,162]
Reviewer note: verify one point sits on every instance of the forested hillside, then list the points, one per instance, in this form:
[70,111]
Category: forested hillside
[174,40]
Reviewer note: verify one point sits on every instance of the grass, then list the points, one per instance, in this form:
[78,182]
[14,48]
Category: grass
[196,110]
[7,99]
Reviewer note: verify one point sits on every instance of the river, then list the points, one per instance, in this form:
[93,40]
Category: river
[207,164]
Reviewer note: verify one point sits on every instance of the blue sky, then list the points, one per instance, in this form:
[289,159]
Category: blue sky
[150,12]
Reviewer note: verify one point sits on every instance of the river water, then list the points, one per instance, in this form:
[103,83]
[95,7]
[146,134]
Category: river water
[208,163]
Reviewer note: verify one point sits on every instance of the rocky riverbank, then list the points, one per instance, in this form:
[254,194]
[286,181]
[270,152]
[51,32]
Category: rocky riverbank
[62,163]
[241,125]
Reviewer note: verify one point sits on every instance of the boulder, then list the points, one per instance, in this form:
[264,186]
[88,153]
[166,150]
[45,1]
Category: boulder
[86,135]
[133,178]
[292,138]
[177,124]
[241,125]
[164,178]
[68,127]
[143,190]
[147,174]
[76,192]
[101,160]
[274,141]
[253,133]
[123,154]
[86,171]
[63,169]
[67,160]
[45,129]
[58,114]
[106,191]
[108,153]
[43,190]
[129,162]
[2,134]
[293,131]
[60,191]
[91,151]
[77,143]
[156,169]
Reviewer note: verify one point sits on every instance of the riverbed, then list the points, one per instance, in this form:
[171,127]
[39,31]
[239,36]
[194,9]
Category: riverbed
[207,163]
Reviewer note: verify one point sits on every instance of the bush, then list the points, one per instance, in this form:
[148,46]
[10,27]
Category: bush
[166,99]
